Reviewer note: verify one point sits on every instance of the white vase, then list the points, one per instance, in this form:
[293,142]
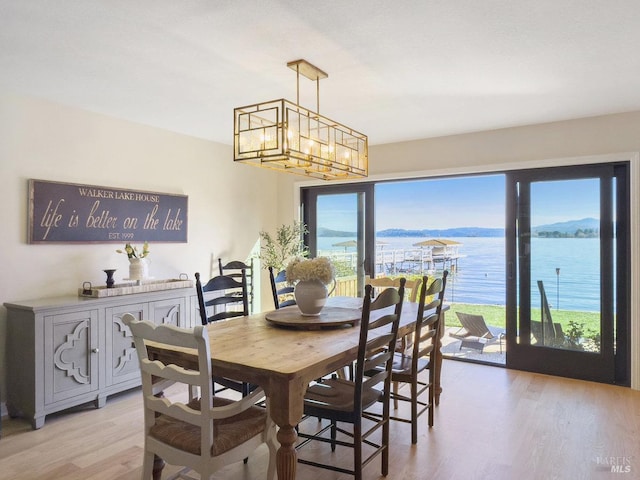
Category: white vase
[311,295]
[138,269]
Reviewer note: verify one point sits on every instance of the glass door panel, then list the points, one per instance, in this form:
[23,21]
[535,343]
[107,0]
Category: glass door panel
[561,271]
[565,273]
[336,220]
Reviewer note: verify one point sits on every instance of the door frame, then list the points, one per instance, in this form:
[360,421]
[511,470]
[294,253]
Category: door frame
[437,169]
[366,222]
[610,365]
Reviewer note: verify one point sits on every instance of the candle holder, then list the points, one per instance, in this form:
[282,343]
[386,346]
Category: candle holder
[110,281]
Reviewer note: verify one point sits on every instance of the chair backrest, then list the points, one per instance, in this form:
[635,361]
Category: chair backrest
[474,325]
[224,296]
[412,287]
[551,331]
[428,324]
[234,269]
[155,370]
[282,292]
[378,334]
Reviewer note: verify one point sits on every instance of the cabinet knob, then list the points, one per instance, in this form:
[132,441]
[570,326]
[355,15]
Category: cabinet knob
[95,350]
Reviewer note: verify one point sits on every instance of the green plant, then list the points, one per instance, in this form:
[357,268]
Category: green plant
[132,251]
[574,334]
[287,243]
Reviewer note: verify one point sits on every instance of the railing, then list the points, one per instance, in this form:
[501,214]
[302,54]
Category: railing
[393,261]
[346,286]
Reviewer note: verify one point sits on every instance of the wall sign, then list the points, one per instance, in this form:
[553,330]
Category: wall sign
[74,213]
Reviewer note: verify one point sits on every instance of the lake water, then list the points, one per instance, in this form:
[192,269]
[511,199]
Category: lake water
[480,276]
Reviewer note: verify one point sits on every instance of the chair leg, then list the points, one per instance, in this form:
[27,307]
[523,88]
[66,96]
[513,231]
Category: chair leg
[147,465]
[395,395]
[334,432]
[414,410]
[357,450]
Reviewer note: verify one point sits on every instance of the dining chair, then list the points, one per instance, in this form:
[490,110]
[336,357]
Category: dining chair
[223,297]
[347,401]
[412,287]
[206,433]
[282,292]
[407,368]
[234,269]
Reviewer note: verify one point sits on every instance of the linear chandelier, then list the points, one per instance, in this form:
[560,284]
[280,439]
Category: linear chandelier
[284,136]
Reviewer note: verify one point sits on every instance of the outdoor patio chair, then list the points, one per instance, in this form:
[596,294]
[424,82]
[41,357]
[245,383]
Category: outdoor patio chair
[475,333]
[546,331]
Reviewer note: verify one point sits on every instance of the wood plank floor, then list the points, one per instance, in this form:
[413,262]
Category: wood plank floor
[492,423]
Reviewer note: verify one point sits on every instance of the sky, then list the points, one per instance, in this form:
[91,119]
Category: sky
[471,201]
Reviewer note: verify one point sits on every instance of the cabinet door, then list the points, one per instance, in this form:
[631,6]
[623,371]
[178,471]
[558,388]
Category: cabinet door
[120,353]
[169,312]
[71,355]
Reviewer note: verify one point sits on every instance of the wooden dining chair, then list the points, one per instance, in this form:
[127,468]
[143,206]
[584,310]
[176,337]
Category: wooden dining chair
[282,292]
[412,287]
[347,401]
[206,433]
[223,297]
[234,269]
[407,368]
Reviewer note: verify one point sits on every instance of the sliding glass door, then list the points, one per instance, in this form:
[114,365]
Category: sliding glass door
[566,237]
[340,222]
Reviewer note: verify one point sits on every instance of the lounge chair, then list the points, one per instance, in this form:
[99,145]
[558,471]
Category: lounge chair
[475,333]
[546,331]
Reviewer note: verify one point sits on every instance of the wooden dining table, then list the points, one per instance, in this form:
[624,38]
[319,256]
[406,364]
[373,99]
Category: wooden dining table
[283,361]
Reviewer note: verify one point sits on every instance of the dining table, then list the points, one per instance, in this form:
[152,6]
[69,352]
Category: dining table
[284,359]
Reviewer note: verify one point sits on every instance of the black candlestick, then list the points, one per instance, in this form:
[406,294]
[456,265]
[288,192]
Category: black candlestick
[110,281]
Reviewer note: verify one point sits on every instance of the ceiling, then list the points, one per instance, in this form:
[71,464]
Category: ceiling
[398,70]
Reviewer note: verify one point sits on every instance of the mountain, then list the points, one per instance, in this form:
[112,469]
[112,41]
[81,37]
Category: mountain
[401,232]
[586,227]
[327,232]
[446,232]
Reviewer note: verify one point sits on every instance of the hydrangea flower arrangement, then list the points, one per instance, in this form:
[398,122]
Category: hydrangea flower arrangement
[302,269]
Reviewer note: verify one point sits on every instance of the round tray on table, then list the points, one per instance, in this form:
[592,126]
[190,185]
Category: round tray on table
[330,317]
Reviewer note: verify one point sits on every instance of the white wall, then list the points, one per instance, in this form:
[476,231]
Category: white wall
[228,203]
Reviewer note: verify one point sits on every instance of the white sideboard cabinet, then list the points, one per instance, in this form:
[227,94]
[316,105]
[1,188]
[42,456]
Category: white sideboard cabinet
[66,351]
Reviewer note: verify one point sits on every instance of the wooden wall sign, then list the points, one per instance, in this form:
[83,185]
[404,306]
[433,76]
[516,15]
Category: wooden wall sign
[74,213]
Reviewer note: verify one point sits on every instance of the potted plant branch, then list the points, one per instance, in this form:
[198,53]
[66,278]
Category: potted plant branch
[287,243]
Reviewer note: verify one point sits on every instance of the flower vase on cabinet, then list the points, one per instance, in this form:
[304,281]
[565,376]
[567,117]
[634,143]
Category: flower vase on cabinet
[138,269]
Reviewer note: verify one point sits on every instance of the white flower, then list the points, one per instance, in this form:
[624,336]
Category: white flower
[132,252]
[301,269]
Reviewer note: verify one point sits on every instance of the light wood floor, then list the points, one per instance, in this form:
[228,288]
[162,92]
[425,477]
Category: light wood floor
[492,423]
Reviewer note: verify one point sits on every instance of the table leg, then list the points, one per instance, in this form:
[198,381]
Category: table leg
[286,404]
[287,457]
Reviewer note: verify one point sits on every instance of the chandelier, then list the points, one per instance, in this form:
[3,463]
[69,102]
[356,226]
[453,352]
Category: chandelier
[284,136]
